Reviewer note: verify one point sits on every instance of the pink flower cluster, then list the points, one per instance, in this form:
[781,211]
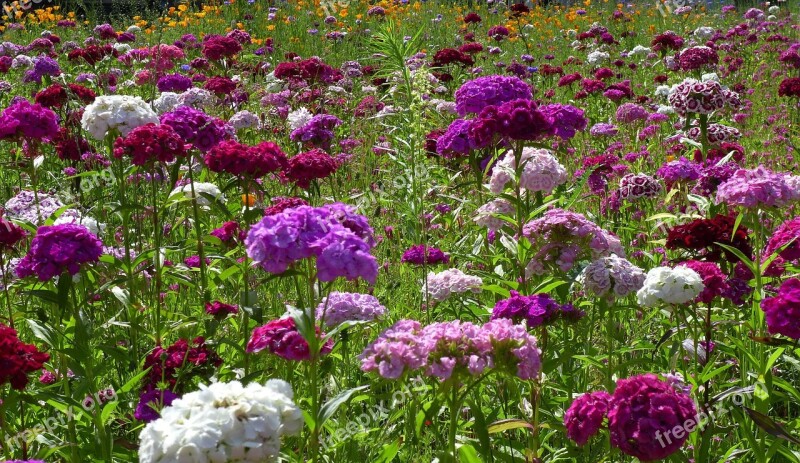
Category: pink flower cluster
[560,238]
[447,349]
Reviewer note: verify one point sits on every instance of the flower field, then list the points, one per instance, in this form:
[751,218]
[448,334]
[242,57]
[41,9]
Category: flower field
[400,231]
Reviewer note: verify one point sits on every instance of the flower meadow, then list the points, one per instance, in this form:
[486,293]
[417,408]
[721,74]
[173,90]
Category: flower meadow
[408,231]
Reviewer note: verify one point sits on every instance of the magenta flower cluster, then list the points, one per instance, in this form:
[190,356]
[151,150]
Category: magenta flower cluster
[58,249]
[475,95]
[535,310]
[642,414]
[782,311]
[759,187]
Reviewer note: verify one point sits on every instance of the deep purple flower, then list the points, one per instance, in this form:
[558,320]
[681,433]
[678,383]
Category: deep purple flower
[60,248]
[151,402]
[420,254]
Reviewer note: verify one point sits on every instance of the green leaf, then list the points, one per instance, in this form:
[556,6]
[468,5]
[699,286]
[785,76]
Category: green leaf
[770,426]
[43,332]
[332,405]
[509,424]
[468,454]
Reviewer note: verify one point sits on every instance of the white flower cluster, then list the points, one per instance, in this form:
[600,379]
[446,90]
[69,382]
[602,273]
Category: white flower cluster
[74,216]
[298,118]
[244,120]
[116,112]
[223,422]
[639,52]
[197,98]
[704,33]
[596,57]
[452,281]
[201,189]
[166,102]
[665,285]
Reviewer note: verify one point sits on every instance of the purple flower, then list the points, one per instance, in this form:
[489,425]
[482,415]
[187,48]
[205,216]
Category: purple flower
[174,83]
[58,249]
[151,402]
[339,238]
[196,127]
[536,310]
[456,140]
[758,187]
[681,170]
[338,308]
[318,131]
[567,119]
[420,254]
[476,94]
[631,112]
[602,128]
[560,238]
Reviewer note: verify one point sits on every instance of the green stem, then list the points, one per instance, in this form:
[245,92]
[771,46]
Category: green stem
[455,408]
[199,236]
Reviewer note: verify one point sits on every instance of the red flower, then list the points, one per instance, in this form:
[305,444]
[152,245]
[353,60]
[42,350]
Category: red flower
[217,47]
[220,85]
[472,18]
[10,234]
[308,166]
[242,160]
[180,360]
[702,235]
[790,87]
[150,143]
[18,359]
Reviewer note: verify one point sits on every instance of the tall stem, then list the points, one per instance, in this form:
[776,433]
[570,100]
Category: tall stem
[454,411]
[157,231]
[198,234]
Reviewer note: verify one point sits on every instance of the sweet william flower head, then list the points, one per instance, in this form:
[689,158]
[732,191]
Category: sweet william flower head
[644,408]
[116,113]
[585,416]
[58,249]
[225,422]
[665,285]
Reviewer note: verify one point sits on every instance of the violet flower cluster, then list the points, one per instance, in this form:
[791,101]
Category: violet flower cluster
[759,187]
[535,310]
[339,308]
[340,239]
[58,249]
